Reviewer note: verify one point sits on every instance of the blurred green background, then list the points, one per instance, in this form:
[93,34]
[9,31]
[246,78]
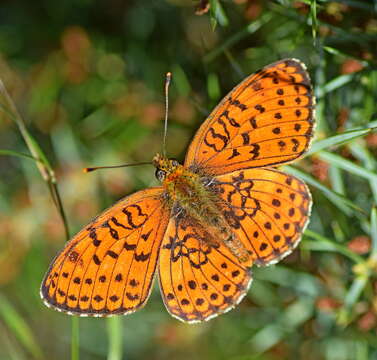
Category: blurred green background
[87,78]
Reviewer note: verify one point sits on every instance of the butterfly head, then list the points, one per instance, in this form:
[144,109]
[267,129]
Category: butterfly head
[166,168]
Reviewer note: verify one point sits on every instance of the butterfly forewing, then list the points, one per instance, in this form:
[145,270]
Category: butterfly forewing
[108,267]
[267,120]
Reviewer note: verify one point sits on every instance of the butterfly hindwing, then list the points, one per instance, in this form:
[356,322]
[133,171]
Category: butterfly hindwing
[108,267]
[198,280]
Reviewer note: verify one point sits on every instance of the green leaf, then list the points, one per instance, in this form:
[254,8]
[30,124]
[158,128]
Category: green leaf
[373,232]
[11,111]
[341,202]
[323,243]
[18,154]
[336,83]
[213,86]
[337,140]
[237,37]
[180,81]
[337,52]
[313,16]
[347,165]
[351,298]
[361,152]
[217,14]
[293,316]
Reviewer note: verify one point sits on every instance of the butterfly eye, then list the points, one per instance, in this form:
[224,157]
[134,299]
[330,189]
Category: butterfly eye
[174,162]
[160,174]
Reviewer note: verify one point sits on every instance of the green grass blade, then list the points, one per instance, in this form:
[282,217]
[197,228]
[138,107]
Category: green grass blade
[336,140]
[337,83]
[350,299]
[213,86]
[17,154]
[11,111]
[19,327]
[361,152]
[10,347]
[363,270]
[372,123]
[217,14]
[347,165]
[337,52]
[300,282]
[373,233]
[336,180]
[361,350]
[114,329]
[181,82]
[237,37]
[323,243]
[359,4]
[75,338]
[341,202]
[292,317]
[45,169]
[313,17]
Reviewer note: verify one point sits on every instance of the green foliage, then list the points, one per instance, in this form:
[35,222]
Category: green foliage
[87,79]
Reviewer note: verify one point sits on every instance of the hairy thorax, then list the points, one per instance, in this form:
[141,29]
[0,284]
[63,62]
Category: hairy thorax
[190,195]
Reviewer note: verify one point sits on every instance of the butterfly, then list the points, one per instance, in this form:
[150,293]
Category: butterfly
[227,208]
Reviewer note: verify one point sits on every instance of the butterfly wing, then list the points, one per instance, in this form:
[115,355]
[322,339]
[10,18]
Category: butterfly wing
[267,209]
[267,120]
[109,266]
[198,280]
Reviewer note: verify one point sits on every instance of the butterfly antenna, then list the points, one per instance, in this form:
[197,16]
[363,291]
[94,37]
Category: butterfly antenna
[167,83]
[90,169]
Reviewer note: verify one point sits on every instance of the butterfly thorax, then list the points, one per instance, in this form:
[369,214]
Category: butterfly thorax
[189,195]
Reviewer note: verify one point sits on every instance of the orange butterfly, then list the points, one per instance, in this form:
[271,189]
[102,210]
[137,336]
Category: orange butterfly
[224,210]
